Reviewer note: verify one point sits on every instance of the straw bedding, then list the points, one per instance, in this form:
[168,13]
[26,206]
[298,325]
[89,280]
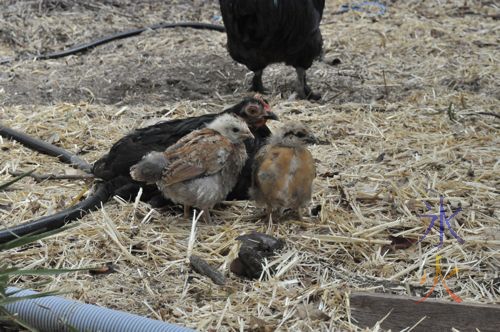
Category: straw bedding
[410,113]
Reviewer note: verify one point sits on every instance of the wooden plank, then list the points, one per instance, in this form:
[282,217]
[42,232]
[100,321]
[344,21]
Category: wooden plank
[369,308]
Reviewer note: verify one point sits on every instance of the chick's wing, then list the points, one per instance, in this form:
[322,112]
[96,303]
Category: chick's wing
[200,153]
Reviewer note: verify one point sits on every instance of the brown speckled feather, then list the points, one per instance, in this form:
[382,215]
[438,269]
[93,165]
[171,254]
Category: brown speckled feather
[200,153]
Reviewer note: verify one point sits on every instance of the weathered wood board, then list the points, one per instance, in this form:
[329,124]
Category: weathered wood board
[440,315]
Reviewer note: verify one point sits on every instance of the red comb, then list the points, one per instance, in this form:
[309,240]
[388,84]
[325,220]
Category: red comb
[267,107]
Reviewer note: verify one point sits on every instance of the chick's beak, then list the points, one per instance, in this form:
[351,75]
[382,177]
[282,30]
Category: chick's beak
[248,135]
[311,139]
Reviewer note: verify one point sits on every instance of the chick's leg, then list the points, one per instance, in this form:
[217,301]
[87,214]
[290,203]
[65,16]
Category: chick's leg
[206,216]
[303,90]
[299,214]
[257,84]
[269,219]
[187,211]
[269,214]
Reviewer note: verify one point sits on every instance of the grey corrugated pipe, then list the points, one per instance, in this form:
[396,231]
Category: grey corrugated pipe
[53,313]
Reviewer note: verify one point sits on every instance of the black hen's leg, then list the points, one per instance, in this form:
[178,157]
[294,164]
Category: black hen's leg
[257,85]
[303,90]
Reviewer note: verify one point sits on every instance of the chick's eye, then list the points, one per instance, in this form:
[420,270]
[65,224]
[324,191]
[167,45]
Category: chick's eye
[235,130]
[301,135]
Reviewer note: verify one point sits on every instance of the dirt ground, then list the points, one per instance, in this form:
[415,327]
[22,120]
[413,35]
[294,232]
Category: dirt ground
[410,111]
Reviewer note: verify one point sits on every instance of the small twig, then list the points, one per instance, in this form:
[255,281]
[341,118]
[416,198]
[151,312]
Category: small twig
[385,84]
[42,177]
[78,197]
[192,235]
[202,267]
[18,176]
[357,76]
[337,95]
[451,112]
[484,113]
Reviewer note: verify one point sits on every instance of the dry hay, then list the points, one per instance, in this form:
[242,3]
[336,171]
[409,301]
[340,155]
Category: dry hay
[405,118]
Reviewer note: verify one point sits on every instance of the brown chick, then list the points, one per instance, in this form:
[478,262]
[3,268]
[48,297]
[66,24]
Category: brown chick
[284,170]
[202,167]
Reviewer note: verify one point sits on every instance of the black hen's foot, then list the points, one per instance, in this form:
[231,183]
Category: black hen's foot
[303,90]
[307,93]
[257,85]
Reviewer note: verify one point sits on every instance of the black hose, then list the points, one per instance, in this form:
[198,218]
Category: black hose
[46,148]
[93,202]
[120,35]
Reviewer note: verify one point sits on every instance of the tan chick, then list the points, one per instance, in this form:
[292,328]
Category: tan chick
[202,167]
[284,170]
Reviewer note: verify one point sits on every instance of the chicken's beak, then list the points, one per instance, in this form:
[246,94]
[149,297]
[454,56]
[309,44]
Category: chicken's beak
[311,139]
[271,116]
[248,135]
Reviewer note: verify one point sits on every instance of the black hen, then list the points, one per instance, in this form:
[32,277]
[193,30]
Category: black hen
[261,32]
[130,149]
